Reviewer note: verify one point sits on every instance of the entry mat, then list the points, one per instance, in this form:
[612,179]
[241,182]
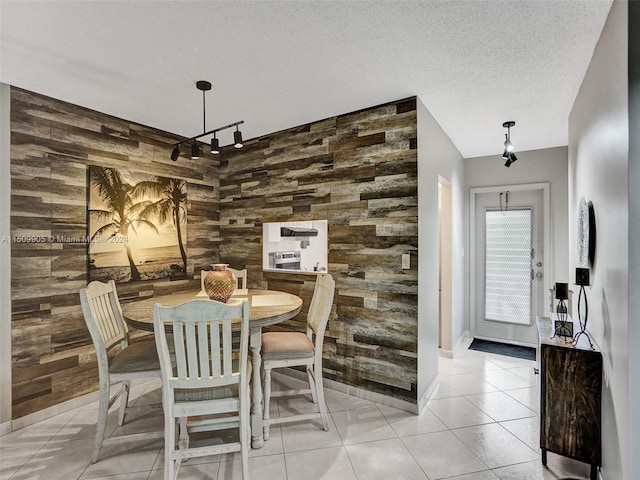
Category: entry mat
[517,351]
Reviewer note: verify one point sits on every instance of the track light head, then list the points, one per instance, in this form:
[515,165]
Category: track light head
[195,151]
[215,145]
[507,143]
[237,138]
[508,154]
[175,153]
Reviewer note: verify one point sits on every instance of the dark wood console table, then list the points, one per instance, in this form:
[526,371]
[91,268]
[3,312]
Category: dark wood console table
[570,398]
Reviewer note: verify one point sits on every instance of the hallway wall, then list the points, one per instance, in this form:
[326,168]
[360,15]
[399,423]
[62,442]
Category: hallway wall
[634,234]
[437,156]
[598,169]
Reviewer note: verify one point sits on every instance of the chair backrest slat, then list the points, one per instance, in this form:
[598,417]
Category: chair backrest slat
[202,331]
[203,349]
[214,343]
[179,348]
[226,348]
[192,355]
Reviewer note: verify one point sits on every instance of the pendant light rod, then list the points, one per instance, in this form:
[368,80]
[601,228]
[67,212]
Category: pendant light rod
[204,114]
[204,86]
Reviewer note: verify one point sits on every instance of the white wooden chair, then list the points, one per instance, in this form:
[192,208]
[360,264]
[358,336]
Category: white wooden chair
[202,292]
[289,349]
[241,278]
[103,316]
[207,379]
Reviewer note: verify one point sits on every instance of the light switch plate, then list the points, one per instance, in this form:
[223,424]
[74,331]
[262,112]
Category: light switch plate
[406,261]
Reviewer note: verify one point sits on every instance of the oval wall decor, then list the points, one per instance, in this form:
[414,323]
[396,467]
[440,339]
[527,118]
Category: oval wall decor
[586,234]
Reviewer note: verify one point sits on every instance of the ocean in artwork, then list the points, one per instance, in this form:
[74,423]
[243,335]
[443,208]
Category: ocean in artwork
[155,262]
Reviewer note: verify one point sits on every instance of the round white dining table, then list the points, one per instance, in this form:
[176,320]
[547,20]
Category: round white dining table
[267,307]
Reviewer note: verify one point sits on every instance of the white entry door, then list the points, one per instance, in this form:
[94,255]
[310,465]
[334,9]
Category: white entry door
[509,265]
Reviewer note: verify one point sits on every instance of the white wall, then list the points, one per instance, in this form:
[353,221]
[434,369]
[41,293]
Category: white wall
[436,156]
[535,166]
[598,167]
[5,257]
[634,235]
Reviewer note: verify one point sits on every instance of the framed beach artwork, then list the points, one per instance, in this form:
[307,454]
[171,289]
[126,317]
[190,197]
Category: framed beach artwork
[137,226]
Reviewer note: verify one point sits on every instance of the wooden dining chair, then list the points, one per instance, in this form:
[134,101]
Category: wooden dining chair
[290,349]
[209,379]
[241,277]
[103,316]
[202,292]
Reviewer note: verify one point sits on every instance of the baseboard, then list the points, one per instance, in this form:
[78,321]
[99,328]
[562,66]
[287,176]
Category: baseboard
[5,428]
[422,401]
[357,392]
[445,353]
[458,346]
[461,341]
[49,412]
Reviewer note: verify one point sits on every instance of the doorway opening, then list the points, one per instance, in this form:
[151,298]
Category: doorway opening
[509,250]
[445,213]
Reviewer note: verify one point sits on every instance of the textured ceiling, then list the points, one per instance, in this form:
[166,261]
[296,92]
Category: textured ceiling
[276,64]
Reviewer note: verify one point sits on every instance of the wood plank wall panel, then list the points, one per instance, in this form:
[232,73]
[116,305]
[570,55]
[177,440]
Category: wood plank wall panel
[52,145]
[359,172]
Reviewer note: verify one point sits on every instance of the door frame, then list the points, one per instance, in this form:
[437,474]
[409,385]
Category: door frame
[546,239]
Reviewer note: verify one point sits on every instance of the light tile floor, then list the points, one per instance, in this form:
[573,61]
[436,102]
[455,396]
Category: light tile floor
[480,424]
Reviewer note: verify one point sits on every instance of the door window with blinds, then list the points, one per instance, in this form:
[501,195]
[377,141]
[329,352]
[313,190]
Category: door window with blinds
[508,244]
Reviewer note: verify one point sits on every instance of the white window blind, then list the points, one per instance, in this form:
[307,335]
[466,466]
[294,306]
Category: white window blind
[508,265]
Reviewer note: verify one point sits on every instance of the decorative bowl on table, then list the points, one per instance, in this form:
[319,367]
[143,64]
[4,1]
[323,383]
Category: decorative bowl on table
[219,283]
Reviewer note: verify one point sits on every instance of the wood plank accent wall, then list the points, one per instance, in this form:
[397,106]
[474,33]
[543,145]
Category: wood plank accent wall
[52,144]
[359,172]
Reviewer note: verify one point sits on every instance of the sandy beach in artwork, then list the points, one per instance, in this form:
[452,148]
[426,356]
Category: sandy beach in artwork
[152,263]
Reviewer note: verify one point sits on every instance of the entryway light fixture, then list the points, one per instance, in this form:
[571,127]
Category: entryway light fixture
[205,86]
[508,154]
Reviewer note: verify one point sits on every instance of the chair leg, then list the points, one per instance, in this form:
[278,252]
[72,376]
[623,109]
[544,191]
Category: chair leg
[312,383]
[317,369]
[183,434]
[101,424]
[124,400]
[170,468]
[266,396]
[245,441]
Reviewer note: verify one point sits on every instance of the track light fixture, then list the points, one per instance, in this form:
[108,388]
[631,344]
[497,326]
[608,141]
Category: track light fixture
[205,86]
[195,151]
[237,138]
[215,145]
[508,154]
[175,153]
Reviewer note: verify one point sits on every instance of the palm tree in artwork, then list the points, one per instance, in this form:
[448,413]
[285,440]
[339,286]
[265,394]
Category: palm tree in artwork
[121,211]
[171,204]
